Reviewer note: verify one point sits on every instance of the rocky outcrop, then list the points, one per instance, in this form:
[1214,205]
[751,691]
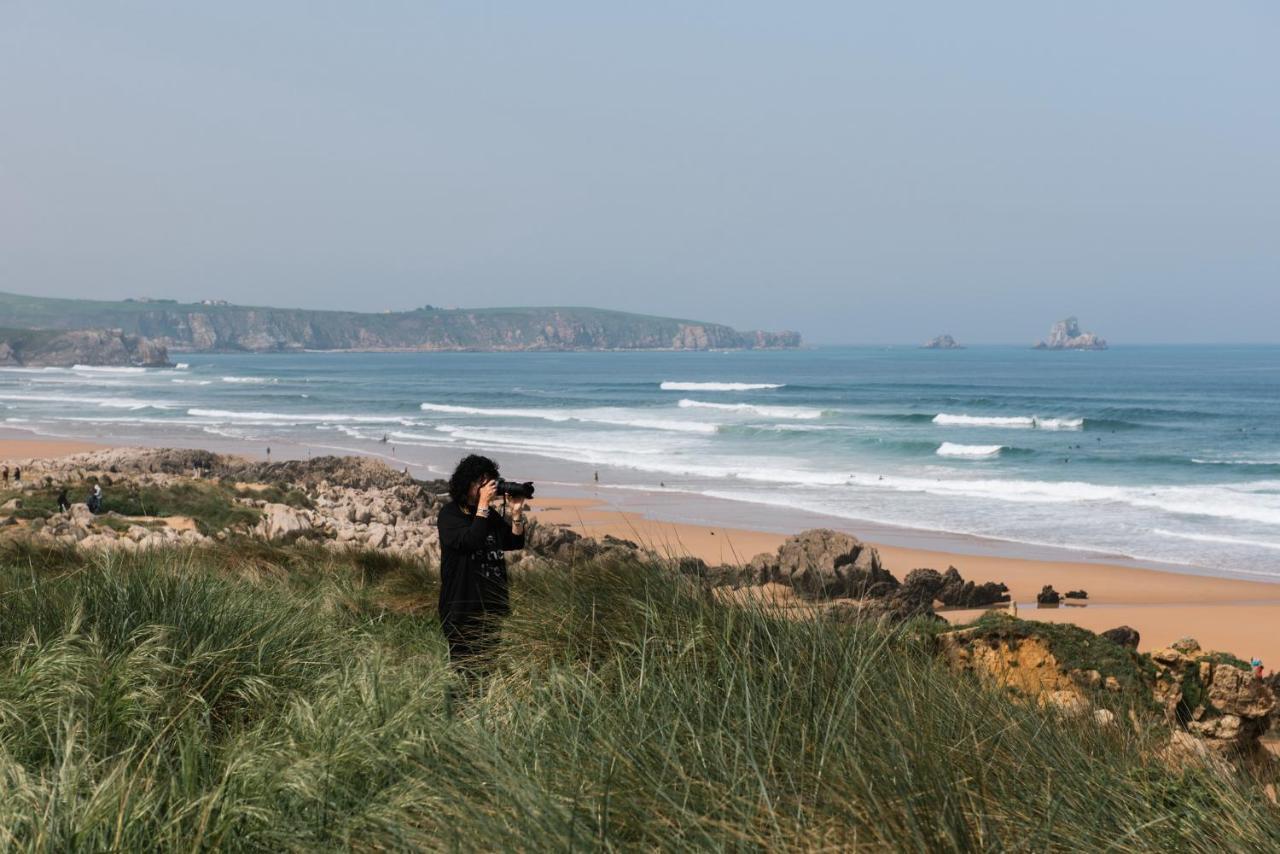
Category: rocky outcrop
[925,587]
[822,563]
[281,522]
[942,342]
[1215,697]
[1048,596]
[1125,636]
[204,327]
[1066,335]
[39,348]
[1017,660]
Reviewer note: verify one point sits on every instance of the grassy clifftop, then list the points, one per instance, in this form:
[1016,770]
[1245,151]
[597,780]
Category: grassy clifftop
[196,326]
[254,697]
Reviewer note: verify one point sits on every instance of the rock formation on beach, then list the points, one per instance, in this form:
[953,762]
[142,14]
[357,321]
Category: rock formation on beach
[942,342]
[45,348]
[1066,335]
[217,326]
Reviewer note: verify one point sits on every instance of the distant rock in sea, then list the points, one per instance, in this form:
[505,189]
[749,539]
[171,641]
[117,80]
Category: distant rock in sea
[942,342]
[1066,335]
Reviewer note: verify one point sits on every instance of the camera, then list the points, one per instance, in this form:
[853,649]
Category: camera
[514,489]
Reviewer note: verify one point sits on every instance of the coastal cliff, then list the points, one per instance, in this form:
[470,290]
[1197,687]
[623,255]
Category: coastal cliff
[44,348]
[223,327]
[1066,335]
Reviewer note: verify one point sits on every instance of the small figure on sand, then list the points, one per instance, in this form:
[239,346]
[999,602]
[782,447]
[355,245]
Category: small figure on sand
[268,452]
[64,503]
[384,438]
[597,476]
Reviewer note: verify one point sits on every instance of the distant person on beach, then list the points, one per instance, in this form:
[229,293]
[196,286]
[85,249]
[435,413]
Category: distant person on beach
[64,503]
[473,570]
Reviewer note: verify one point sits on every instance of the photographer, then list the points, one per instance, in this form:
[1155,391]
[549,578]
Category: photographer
[473,571]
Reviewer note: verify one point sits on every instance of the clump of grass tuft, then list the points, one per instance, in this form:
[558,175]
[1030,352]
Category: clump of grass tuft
[250,697]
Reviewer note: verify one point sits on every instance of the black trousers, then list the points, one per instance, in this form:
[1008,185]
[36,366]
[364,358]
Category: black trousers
[471,644]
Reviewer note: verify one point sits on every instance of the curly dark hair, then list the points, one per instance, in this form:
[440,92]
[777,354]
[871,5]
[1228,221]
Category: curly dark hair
[470,469]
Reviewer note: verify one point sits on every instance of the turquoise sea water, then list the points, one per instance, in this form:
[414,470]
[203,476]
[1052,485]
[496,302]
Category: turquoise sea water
[1157,453]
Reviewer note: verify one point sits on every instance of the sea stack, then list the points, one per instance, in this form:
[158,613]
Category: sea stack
[1066,335]
[942,342]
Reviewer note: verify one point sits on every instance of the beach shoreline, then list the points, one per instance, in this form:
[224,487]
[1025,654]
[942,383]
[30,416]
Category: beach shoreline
[1225,613]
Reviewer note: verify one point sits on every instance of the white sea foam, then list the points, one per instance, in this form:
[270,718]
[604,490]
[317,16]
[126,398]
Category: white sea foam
[1011,421]
[108,402]
[1215,538]
[181,366]
[614,417]
[1272,462]
[753,409]
[251,380]
[951,449]
[285,419]
[105,369]
[192,382]
[670,385]
[544,414]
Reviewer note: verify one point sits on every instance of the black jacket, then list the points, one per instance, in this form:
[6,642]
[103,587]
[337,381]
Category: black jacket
[473,571]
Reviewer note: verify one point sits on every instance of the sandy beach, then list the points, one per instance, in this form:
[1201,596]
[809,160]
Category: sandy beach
[1226,614]
[14,450]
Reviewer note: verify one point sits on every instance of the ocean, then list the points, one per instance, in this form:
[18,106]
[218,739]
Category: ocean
[1167,454]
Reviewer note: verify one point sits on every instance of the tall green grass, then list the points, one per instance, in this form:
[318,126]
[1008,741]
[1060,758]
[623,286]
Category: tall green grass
[249,697]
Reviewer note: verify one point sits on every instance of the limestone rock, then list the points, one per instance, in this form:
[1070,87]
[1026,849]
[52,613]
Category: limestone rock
[282,522]
[1066,335]
[1214,698]
[823,563]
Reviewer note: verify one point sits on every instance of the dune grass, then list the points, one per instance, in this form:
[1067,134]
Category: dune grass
[212,505]
[249,697]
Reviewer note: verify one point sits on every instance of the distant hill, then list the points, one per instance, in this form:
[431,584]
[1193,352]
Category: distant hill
[220,326]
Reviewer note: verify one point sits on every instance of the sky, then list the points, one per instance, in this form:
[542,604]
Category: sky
[862,173]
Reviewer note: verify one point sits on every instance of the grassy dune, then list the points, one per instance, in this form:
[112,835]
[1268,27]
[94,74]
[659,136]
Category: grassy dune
[254,697]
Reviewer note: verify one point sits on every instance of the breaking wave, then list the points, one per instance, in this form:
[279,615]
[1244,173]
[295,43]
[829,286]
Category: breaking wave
[951,449]
[671,385]
[1015,421]
[753,409]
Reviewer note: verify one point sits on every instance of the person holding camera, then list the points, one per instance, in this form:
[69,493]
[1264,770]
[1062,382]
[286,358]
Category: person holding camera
[473,570]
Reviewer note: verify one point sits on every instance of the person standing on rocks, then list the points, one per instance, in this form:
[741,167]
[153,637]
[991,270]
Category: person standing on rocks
[473,570]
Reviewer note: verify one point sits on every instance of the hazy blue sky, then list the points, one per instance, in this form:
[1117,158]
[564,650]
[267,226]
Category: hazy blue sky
[864,174]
